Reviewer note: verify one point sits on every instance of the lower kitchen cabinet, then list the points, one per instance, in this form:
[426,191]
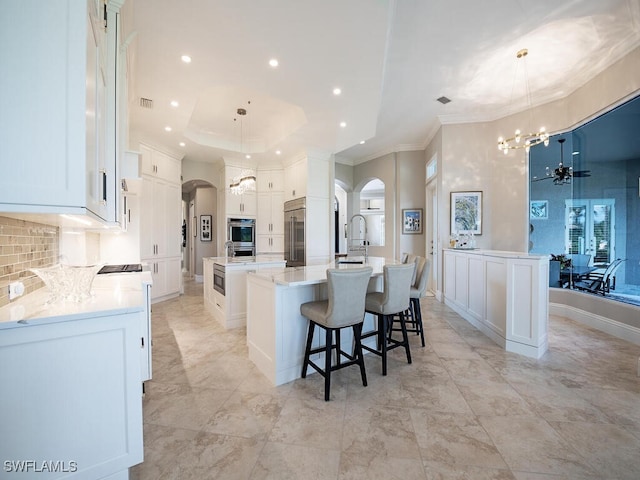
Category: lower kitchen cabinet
[230,308]
[166,274]
[71,396]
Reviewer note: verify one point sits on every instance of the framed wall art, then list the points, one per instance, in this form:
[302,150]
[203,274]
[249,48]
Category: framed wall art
[466,212]
[412,220]
[539,210]
[205,228]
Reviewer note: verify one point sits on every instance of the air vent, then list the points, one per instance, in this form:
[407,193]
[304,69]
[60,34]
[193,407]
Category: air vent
[146,103]
[443,100]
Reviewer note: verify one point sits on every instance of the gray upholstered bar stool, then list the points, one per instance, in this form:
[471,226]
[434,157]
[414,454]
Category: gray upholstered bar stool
[394,300]
[344,308]
[417,291]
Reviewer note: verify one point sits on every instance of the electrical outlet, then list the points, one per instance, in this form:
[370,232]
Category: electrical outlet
[15,289]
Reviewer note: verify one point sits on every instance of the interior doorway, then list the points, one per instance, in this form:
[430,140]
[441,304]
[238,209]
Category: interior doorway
[431,224]
[340,219]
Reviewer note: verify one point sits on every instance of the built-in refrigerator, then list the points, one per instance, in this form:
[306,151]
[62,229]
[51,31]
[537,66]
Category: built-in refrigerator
[294,232]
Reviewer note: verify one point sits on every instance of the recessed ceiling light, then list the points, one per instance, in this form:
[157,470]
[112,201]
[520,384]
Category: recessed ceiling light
[273,62]
[247,156]
[575,153]
[361,142]
[337,91]
[167,128]
[278,152]
[182,144]
[174,103]
[343,124]
[186,58]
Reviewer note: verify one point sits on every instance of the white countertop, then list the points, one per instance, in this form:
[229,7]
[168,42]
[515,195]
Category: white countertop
[111,294]
[497,253]
[313,274]
[238,261]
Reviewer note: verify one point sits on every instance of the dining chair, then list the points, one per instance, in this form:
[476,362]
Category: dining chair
[600,283]
[343,308]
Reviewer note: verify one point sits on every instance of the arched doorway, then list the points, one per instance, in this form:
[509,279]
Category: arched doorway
[199,207]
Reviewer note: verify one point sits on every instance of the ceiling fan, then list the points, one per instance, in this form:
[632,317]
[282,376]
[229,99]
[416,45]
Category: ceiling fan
[562,174]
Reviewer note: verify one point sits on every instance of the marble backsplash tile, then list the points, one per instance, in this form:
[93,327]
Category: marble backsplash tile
[25,245]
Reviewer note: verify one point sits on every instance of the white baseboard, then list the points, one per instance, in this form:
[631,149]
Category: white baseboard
[604,324]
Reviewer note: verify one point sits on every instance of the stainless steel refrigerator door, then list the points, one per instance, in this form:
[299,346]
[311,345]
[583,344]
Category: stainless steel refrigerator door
[294,235]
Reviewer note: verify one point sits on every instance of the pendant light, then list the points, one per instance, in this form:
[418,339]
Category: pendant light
[520,139]
[247,179]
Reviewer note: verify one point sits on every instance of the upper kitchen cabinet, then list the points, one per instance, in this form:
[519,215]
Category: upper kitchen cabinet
[270,181]
[308,177]
[295,180]
[243,205]
[158,164]
[57,102]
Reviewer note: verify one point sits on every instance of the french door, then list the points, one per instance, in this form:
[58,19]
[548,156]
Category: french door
[590,228]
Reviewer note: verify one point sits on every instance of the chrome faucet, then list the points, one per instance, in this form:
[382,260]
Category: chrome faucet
[364,246]
[230,250]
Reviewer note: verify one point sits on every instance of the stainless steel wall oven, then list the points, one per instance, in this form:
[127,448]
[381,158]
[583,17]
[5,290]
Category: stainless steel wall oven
[242,232]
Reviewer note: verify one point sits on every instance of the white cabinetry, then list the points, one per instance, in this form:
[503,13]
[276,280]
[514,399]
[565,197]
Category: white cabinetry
[237,205]
[270,180]
[160,221]
[295,180]
[58,141]
[270,223]
[503,294]
[73,394]
[309,177]
[145,335]
[230,309]
[240,205]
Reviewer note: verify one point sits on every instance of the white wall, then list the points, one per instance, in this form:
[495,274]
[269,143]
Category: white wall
[205,204]
[470,160]
[208,172]
[410,193]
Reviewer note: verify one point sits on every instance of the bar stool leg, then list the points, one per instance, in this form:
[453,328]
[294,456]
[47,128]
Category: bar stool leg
[327,364]
[405,337]
[383,322]
[357,332]
[305,363]
[417,312]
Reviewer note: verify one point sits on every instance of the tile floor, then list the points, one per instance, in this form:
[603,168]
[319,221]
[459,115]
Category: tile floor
[464,409]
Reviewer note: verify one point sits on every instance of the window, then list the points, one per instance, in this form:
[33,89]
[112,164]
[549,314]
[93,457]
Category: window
[589,227]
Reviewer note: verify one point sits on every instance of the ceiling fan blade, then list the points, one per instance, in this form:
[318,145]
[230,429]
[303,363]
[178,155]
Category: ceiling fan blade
[535,179]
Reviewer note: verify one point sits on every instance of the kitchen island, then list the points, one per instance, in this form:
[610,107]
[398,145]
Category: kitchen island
[225,285]
[276,332]
[71,378]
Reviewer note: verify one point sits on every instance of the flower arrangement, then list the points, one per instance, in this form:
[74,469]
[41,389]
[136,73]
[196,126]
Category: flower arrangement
[562,258]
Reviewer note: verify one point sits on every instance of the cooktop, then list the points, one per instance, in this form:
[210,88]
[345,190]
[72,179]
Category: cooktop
[136,267]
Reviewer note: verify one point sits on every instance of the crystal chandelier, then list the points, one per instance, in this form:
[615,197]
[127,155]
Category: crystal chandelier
[523,140]
[247,178]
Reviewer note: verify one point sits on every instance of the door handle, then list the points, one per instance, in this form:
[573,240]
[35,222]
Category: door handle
[103,199]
